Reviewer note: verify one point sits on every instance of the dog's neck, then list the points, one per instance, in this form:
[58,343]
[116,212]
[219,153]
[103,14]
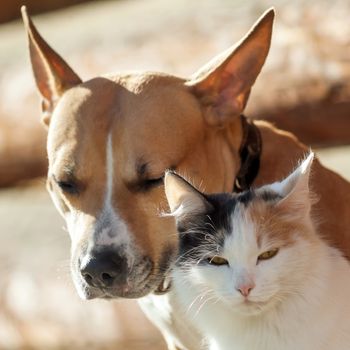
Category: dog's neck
[276,161]
[244,141]
[250,152]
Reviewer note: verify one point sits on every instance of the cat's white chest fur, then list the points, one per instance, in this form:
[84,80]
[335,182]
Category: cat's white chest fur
[165,312]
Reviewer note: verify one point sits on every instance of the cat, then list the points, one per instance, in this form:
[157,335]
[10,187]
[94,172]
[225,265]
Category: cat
[252,272]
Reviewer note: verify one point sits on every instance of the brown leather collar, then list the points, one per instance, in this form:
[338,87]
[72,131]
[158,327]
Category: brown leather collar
[250,152]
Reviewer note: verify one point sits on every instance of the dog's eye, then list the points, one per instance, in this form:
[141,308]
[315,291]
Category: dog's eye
[268,254]
[217,260]
[151,183]
[68,187]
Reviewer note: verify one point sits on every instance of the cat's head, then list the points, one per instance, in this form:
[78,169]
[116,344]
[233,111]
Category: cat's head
[249,250]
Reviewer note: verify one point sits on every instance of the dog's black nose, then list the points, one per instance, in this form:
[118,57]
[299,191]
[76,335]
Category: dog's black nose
[103,269]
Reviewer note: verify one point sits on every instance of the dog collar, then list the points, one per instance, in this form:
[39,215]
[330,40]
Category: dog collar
[249,152]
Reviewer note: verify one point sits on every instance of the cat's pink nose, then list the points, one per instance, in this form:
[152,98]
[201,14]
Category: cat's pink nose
[245,289]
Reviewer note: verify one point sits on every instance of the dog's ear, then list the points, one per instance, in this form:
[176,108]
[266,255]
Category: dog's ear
[224,83]
[52,74]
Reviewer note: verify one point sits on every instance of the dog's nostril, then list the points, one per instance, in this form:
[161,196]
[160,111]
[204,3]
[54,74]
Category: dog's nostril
[106,277]
[88,278]
[103,269]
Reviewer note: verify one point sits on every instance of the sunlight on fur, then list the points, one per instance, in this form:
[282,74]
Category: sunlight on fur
[281,288]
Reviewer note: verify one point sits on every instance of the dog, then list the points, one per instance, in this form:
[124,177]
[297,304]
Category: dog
[110,141]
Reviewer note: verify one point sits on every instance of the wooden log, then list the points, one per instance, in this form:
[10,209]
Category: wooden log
[319,122]
[22,153]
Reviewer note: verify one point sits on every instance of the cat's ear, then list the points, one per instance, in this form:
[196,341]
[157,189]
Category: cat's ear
[294,190]
[183,198]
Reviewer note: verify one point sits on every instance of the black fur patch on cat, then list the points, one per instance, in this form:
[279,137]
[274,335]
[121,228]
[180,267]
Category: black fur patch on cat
[206,232]
[269,196]
[202,233]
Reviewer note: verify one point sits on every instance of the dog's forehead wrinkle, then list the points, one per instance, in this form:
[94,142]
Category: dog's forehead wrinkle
[141,168]
[69,169]
[145,167]
[61,159]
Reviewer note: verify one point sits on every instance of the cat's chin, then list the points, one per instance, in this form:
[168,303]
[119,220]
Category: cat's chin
[250,308]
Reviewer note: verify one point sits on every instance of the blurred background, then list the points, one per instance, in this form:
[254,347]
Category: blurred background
[304,88]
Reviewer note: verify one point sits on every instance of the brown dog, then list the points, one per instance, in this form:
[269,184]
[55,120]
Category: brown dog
[110,140]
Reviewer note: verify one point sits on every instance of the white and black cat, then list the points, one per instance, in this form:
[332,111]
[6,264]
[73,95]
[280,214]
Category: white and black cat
[253,274]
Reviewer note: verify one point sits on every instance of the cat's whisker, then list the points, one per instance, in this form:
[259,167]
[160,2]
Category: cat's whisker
[199,297]
[206,301]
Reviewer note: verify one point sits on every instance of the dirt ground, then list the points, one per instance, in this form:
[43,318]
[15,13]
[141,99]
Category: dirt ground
[39,308]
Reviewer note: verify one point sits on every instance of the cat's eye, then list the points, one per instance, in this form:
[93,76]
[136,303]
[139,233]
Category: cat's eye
[217,260]
[268,254]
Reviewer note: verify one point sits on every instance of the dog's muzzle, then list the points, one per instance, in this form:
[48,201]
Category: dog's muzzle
[107,273]
[104,270]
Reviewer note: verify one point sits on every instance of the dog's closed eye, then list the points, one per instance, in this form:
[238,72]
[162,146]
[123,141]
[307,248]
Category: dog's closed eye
[68,186]
[151,183]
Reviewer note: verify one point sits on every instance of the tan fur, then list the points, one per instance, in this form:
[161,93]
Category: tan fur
[168,122]
[281,153]
[279,225]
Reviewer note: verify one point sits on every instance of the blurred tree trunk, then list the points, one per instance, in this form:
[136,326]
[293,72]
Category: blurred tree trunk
[317,121]
[22,153]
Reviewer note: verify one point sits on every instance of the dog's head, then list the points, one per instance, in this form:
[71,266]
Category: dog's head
[110,140]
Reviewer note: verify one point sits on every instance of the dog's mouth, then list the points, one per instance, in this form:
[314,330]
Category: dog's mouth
[129,291]
[113,274]
[115,293]
[136,286]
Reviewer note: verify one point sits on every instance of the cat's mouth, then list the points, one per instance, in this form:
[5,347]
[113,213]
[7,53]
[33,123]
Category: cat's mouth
[250,307]
[249,302]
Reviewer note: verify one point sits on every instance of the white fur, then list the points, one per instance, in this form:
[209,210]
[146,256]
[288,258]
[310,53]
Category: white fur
[300,299]
[116,233]
[287,185]
[164,311]
[108,229]
[312,313]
